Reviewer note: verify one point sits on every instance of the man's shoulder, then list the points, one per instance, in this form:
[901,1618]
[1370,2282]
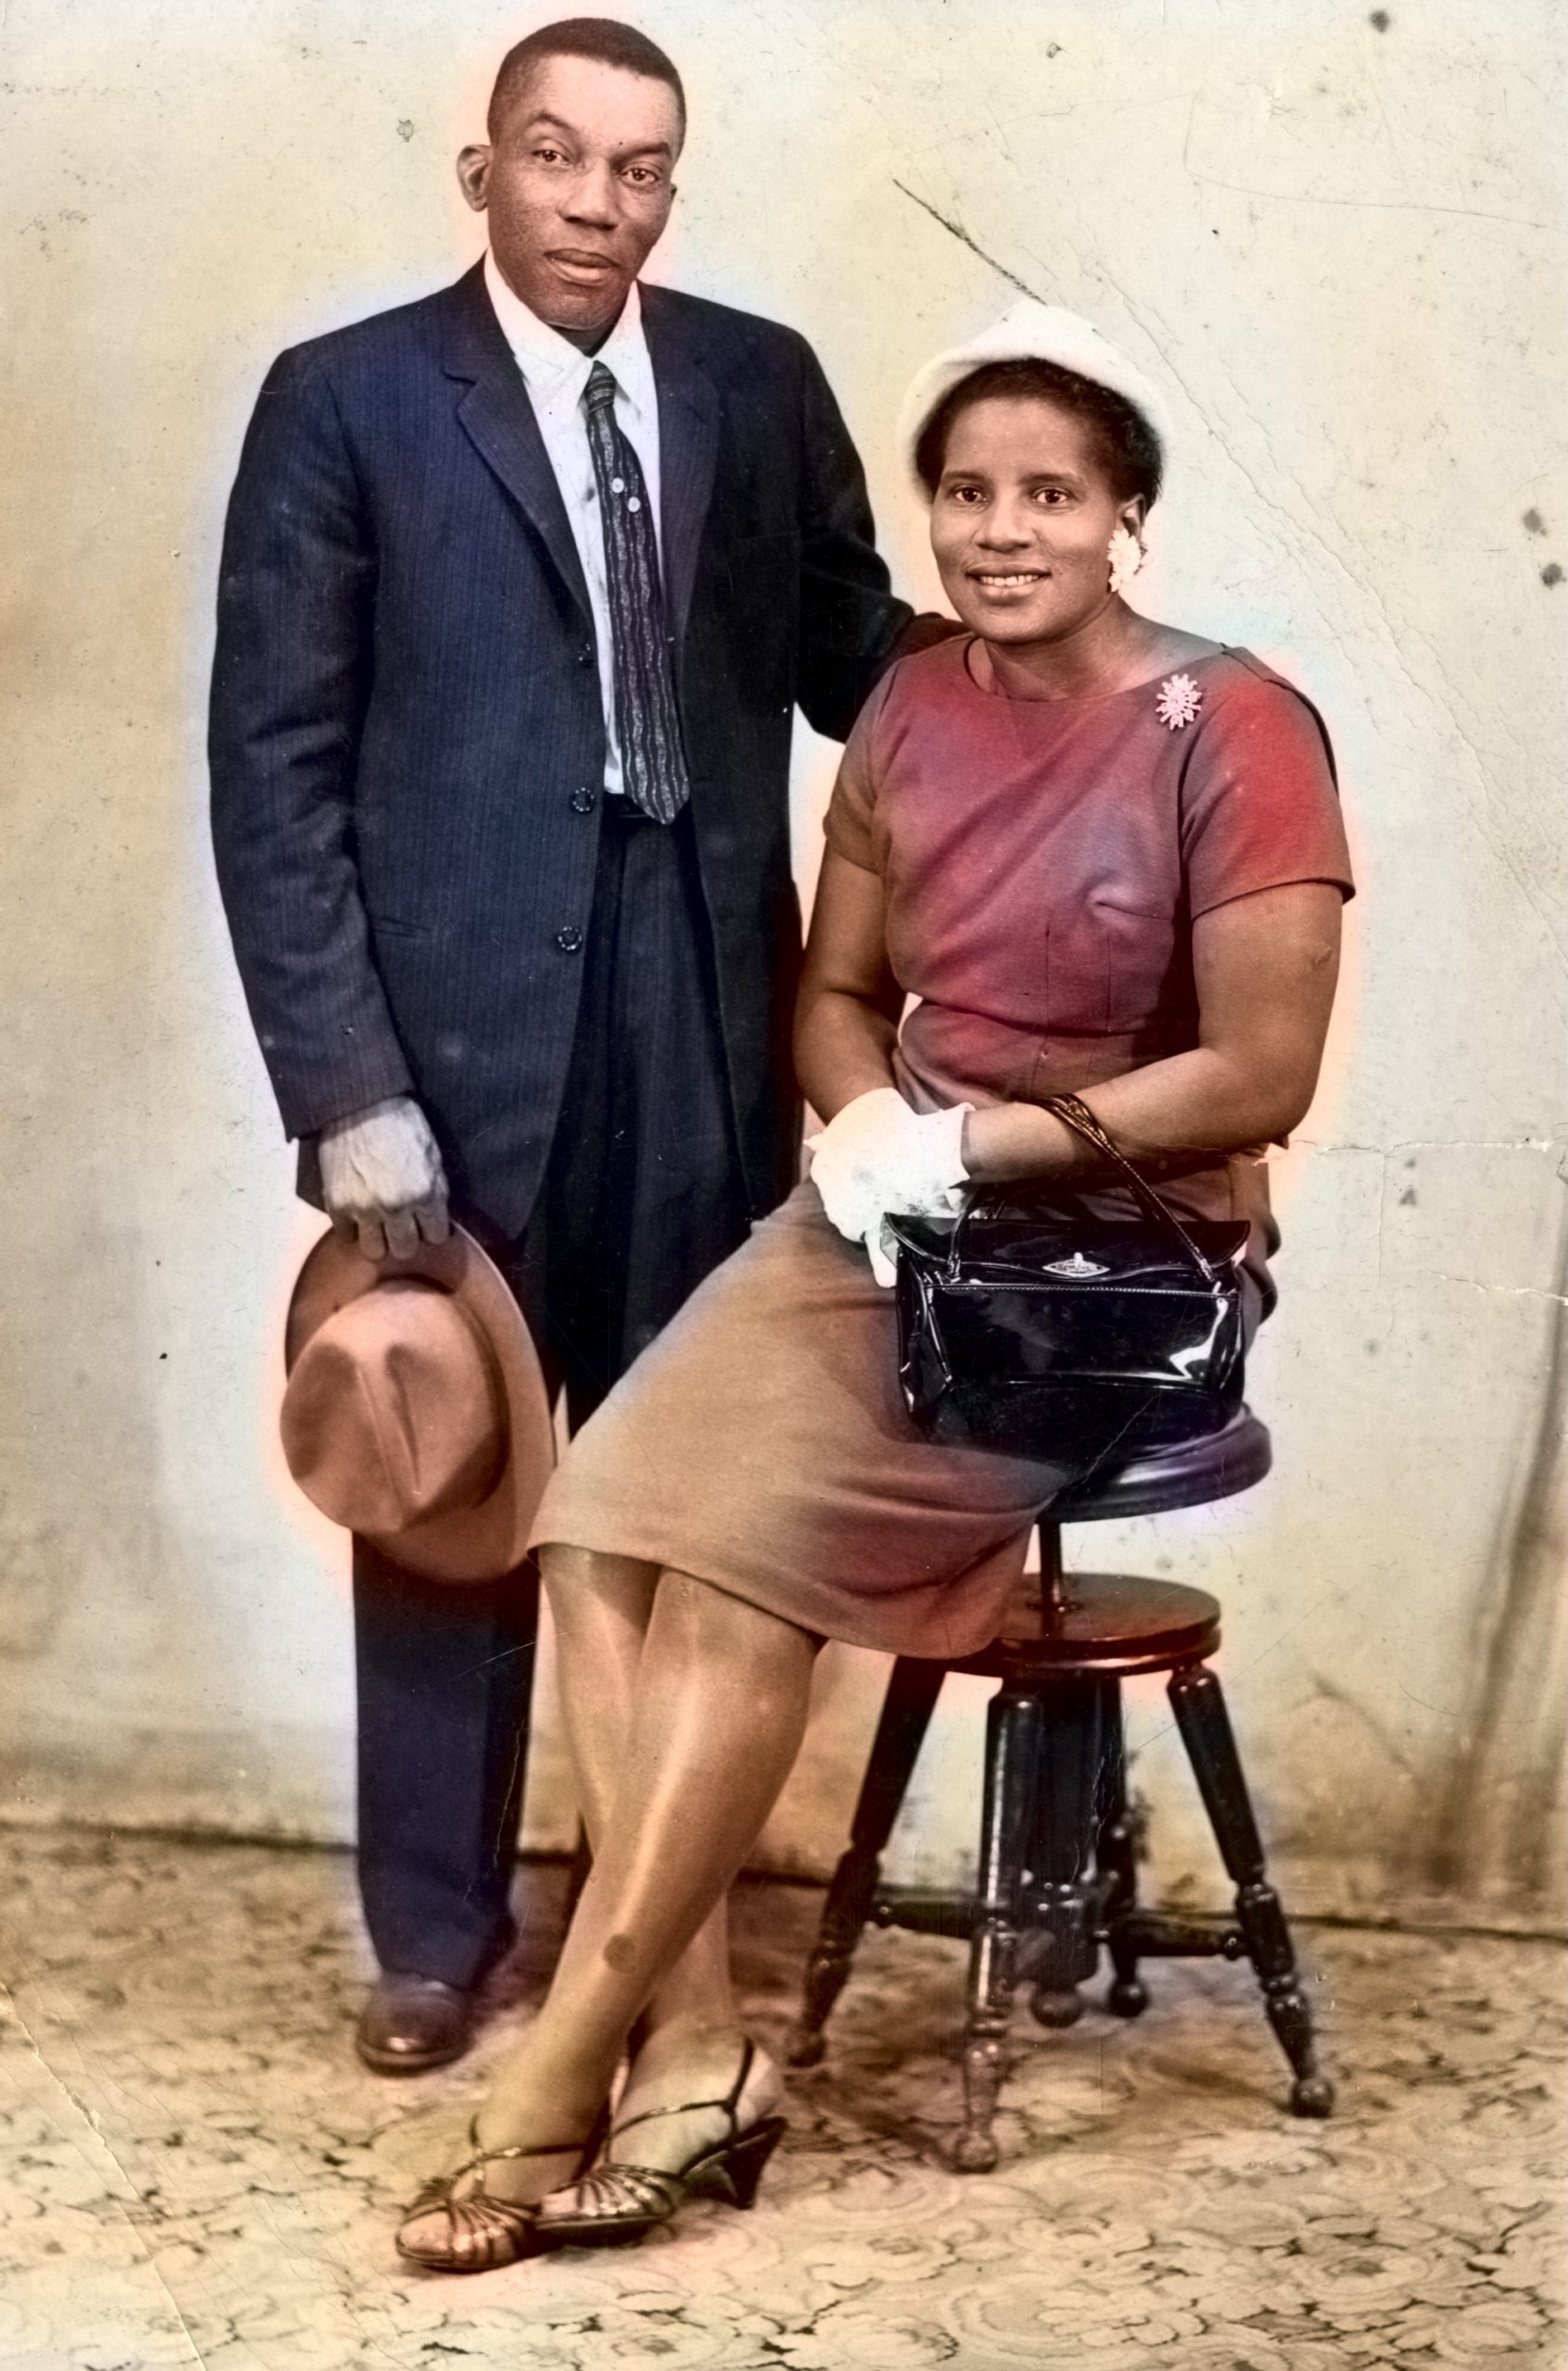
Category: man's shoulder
[723,333]
[399,332]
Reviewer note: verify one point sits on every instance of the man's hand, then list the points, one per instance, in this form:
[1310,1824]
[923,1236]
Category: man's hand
[382,1178]
[924,631]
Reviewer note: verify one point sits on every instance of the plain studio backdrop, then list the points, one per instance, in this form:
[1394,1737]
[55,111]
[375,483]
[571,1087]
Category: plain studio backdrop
[1336,236]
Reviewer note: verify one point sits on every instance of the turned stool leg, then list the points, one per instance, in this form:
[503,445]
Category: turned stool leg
[1012,1732]
[1062,1902]
[913,1691]
[1206,1732]
[1116,1844]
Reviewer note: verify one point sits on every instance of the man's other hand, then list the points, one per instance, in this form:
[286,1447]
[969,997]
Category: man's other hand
[382,1178]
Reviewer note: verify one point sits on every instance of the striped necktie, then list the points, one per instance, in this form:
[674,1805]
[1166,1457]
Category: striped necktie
[647,725]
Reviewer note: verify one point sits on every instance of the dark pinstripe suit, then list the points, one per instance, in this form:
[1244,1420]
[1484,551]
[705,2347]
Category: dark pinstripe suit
[408,749]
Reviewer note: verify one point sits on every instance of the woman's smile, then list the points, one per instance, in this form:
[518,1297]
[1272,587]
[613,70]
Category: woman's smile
[998,581]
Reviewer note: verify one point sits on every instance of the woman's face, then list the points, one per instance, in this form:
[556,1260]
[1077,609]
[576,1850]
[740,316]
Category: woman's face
[1021,520]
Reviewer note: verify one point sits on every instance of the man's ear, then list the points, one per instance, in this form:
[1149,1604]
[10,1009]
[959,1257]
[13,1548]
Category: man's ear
[474,175]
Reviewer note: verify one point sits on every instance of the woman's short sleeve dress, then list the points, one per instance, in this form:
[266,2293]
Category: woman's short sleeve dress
[1042,864]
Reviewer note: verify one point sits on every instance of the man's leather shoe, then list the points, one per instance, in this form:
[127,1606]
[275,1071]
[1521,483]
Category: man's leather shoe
[411,2023]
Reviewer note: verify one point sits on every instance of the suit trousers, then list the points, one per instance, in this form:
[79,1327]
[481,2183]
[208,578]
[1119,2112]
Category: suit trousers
[643,1196]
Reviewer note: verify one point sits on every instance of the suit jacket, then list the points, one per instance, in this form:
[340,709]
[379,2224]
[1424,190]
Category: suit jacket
[407,740]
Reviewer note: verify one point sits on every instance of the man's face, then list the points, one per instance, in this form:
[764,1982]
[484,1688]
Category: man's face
[577,185]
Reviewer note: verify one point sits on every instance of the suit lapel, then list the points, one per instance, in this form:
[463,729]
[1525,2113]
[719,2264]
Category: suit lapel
[688,447]
[496,416]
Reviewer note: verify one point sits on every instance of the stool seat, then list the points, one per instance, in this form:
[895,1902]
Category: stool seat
[1191,1474]
[1118,1623]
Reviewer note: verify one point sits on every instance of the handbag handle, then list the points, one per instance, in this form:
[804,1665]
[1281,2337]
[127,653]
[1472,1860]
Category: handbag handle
[1077,1116]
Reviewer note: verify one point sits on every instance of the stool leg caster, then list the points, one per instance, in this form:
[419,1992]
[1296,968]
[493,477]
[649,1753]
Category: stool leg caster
[1267,1936]
[1127,1997]
[1206,1731]
[913,1691]
[984,2071]
[844,1914]
[1012,1734]
[1055,2011]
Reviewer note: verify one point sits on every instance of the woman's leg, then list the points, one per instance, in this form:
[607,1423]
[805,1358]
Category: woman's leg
[601,1606]
[717,1714]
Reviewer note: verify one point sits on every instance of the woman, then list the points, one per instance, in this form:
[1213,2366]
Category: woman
[1106,855]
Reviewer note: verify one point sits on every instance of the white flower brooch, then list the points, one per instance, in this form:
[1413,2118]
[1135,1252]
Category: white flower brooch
[1179,701]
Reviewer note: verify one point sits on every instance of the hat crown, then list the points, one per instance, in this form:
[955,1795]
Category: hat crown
[1030,331]
[393,1412]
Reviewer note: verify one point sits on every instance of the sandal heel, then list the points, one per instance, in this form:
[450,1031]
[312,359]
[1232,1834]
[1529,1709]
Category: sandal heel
[745,2161]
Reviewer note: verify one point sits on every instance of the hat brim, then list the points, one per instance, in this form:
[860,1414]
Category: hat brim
[476,1543]
[1032,331]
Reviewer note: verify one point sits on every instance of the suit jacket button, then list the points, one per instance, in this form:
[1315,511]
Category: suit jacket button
[569,939]
[584,801]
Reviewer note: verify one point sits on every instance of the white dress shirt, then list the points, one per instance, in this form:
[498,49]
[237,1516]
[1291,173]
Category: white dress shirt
[556,374]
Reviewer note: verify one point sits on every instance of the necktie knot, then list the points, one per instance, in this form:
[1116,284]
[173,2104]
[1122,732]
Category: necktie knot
[600,392]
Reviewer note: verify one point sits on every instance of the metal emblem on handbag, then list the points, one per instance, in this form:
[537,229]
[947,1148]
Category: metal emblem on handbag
[1029,1325]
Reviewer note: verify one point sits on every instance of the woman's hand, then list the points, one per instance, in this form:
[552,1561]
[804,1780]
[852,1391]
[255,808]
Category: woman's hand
[878,1156]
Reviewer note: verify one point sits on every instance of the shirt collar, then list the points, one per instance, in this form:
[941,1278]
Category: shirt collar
[556,372]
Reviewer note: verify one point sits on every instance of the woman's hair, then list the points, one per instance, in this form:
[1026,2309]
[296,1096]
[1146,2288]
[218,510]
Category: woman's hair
[1126,447]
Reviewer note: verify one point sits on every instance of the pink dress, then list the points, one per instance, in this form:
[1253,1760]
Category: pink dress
[1042,864]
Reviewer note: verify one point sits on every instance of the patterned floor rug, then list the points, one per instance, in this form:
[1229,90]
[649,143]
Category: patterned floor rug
[197,2171]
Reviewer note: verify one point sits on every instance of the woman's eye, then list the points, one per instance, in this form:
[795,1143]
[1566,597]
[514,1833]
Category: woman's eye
[1053,495]
[968,494]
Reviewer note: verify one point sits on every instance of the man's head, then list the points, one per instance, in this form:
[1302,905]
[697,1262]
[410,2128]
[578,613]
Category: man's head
[586,120]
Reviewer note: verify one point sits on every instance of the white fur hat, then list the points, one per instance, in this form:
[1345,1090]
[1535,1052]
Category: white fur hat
[1030,332]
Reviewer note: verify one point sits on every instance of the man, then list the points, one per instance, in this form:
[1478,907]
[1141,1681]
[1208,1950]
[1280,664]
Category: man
[521,586]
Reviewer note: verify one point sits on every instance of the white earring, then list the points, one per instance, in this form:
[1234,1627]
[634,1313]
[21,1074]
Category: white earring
[1126,557]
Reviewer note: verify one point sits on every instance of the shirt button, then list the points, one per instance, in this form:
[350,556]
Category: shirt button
[635,503]
[569,939]
[618,486]
[584,652]
[583,801]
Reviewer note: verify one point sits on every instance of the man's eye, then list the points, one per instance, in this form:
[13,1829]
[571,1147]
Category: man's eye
[549,155]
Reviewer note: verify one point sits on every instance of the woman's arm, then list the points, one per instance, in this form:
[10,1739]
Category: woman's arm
[1265,967]
[847,1011]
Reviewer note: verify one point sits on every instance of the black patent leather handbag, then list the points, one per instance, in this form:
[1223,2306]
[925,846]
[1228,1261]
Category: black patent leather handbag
[1029,1325]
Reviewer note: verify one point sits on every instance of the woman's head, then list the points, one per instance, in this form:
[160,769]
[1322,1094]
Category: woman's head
[1127,446]
[1032,469]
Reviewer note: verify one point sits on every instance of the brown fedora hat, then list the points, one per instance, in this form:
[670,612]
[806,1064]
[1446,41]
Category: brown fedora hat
[415,1413]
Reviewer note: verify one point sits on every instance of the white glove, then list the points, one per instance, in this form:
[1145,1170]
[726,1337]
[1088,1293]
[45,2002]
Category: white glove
[382,1178]
[879,1157]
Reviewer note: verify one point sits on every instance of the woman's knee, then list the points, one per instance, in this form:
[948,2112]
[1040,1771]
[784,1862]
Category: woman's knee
[577,1579]
[714,1625]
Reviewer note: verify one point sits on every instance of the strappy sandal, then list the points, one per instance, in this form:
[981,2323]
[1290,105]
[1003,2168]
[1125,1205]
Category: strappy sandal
[618,2203]
[482,2232]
